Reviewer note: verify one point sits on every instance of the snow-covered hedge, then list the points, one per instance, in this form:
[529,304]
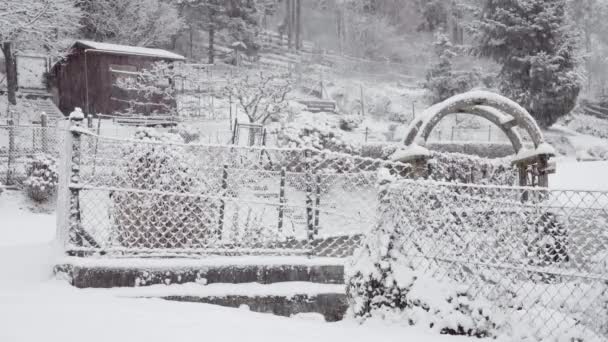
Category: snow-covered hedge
[42,177]
[455,167]
[178,220]
[471,261]
[384,282]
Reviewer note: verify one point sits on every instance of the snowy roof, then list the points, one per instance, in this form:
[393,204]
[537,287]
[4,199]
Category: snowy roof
[129,50]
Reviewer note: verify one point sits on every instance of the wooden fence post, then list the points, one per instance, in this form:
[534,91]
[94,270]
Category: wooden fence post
[222,201]
[89,121]
[282,198]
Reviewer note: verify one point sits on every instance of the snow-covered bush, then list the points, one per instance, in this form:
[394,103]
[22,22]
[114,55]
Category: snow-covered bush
[317,136]
[350,122]
[462,168]
[42,178]
[383,281]
[171,217]
[189,134]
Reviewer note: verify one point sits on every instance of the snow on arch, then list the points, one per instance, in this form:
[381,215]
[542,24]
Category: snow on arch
[501,111]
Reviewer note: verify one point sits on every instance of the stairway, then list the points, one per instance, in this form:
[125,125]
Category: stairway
[283,286]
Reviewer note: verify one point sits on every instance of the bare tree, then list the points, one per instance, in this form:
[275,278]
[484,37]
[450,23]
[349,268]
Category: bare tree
[261,95]
[34,25]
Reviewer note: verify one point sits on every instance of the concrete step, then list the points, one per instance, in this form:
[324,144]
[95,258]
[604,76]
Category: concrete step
[89,272]
[283,299]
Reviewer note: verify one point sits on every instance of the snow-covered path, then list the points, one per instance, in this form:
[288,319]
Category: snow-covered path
[34,307]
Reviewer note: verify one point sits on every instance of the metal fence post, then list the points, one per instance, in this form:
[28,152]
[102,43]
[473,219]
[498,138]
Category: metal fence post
[44,136]
[282,198]
[11,151]
[220,227]
[317,203]
[309,202]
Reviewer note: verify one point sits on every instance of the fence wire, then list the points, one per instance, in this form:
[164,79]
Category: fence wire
[20,143]
[540,255]
[157,197]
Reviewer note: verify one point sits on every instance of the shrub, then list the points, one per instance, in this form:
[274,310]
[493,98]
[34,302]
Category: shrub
[350,122]
[383,281]
[172,217]
[42,178]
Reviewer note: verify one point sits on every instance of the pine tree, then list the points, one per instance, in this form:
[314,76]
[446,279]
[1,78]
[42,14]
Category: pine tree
[536,46]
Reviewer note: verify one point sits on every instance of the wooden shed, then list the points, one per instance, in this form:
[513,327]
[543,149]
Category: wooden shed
[86,77]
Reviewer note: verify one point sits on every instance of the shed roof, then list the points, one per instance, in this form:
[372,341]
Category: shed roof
[129,50]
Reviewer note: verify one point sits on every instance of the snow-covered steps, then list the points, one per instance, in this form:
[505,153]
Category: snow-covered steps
[280,285]
[130,272]
[283,299]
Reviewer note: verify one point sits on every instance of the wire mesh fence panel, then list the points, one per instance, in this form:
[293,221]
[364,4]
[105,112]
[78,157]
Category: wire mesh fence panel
[155,196]
[539,255]
[20,143]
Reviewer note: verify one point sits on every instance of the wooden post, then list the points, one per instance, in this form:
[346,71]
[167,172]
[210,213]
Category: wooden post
[89,121]
[489,133]
[234,132]
[11,151]
[366,133]
[230,106]
[220,226]
[362,101]
[282,198]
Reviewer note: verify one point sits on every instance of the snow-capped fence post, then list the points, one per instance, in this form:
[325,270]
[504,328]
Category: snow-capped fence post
[282,198]
[74,223]
[11,151]
[220,226]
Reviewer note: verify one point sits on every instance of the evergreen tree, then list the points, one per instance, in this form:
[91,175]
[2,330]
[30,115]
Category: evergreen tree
[535,44]
[441,80]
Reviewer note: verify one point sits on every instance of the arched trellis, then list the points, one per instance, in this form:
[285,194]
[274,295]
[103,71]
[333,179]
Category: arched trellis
[504,113]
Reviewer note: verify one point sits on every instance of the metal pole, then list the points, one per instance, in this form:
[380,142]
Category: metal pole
[282,198]
[44,137]
[317,204]
[220,227]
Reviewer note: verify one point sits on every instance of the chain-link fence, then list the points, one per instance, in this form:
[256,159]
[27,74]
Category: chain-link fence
[153,196]
[540,256]
[20,143]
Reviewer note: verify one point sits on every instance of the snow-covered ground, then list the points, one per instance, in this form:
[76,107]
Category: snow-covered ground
[35,307]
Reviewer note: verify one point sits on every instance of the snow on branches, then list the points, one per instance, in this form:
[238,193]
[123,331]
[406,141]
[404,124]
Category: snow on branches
[35,24]
[260,95]
[141,23]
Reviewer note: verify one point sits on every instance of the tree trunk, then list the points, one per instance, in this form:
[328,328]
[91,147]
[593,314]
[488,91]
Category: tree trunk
[298,22]
[11,72]
[211,45]
[289,24]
